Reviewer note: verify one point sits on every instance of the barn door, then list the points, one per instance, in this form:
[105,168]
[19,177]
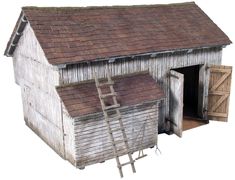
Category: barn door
[219,91]
[176,102]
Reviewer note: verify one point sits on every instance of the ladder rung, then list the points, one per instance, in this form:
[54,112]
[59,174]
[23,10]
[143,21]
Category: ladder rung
[106,84]
[118,150]
[112,107]
[124,164]
[123,153]
[113,118]
[117,129]
[119,141]
[107,95]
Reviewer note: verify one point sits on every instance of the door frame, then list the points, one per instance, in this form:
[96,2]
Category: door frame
[203,86]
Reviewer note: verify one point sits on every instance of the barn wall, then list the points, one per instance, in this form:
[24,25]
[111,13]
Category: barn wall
[41,104]
[158,68]
[69,140]
[92,144]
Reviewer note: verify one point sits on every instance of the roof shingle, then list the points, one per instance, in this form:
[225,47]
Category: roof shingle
[71,35]
[82,98]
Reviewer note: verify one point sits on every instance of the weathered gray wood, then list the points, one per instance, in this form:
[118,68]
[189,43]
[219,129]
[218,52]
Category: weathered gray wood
[176,102]
[70,139]
[37,78]
[91,138]
[158,67]
[204,75]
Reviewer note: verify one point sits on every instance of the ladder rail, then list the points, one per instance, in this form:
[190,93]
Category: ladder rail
[108,125]
[115,107]
[120,120]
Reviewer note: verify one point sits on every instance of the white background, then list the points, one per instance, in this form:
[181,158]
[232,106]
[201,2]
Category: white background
[207,152]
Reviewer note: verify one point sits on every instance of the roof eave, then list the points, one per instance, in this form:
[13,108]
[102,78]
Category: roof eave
[132,56]
[16,34]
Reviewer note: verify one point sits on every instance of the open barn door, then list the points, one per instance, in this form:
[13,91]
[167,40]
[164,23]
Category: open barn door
[176,102]
[219,91]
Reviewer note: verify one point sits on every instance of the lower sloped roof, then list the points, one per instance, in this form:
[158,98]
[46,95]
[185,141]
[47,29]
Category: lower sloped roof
[82,98]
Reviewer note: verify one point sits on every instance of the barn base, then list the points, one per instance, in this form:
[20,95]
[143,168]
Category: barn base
[30,125]
[81,165]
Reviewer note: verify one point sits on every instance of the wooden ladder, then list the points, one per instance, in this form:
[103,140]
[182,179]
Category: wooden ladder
[116,116]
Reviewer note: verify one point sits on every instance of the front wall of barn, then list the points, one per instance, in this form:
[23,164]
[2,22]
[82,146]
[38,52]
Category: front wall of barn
[158,67]
[68,136]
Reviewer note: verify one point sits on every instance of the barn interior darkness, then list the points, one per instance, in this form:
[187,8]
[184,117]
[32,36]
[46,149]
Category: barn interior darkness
[190,99]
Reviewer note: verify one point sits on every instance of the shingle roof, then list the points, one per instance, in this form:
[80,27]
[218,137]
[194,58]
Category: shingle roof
[71,35]
[82,98]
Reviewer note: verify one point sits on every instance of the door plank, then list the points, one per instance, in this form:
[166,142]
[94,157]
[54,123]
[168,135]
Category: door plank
[220,81]
[219,102]
[176,102]
[224,115]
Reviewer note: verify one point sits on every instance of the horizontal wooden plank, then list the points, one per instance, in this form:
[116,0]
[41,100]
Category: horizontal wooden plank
[100,116]
[87,160]
[218,114]
[219,93]
[101,151]
[124,110]
[108,147]
[102,125]
[127,126]
[220,70]
[104,138]
[133,115]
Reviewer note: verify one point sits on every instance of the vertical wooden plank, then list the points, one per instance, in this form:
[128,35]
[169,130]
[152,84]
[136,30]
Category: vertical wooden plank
[176,102]
[203,91]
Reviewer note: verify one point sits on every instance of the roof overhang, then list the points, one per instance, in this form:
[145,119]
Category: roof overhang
[149,54]
[15,37]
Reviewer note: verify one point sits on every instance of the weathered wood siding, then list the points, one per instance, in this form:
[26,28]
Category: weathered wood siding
[158,68]
[69,137]
[81,141]
[41,104]
[92,140]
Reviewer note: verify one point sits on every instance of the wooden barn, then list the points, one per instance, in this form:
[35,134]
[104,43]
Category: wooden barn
[102,82]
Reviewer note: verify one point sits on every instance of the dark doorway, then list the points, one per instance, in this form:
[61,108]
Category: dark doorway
[191,118]
[191,80]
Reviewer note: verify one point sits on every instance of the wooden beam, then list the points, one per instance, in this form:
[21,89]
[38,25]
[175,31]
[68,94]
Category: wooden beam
[219,102]
[218,114]
[220,81]
[221,93]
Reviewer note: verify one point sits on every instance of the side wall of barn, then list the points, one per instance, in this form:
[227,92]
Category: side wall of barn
[92,142]
[37,79]
[158,67]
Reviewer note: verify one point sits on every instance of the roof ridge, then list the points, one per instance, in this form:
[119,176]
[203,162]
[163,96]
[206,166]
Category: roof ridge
[101,7]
